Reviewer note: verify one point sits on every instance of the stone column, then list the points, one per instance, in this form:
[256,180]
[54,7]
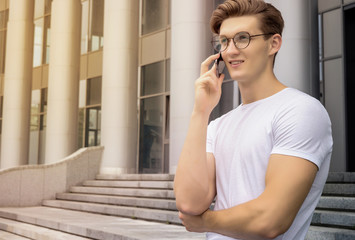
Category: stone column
[18,84]
[297,62]
[119,87]
[63,82]
[190,45]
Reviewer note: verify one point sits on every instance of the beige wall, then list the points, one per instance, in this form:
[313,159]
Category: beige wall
[91,65]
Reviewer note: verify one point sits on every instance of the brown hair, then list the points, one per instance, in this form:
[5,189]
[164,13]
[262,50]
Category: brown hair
[271,20]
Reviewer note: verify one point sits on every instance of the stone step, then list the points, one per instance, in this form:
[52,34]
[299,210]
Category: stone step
[155,203]
[337,203]
[97,226]
[132,192]
[21,231]
[9,236]
[327,233]
[339,189]
[158,215]
[334,219]
[136,177]
[130,184]
[341,177]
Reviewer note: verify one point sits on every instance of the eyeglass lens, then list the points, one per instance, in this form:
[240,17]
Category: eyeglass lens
[241,40]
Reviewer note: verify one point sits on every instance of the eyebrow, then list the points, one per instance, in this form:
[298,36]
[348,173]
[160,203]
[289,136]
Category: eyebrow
[223,35]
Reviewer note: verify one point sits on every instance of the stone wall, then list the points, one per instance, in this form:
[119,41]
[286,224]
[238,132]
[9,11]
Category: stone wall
[29,185]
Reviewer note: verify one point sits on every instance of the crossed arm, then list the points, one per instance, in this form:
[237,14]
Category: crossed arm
[288,181]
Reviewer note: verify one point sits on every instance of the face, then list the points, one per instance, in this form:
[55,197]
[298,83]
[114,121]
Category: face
[253,62]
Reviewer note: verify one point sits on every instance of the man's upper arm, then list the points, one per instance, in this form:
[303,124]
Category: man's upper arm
[212,176]
[288,181]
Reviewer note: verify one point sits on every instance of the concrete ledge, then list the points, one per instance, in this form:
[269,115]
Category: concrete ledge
[339,189]
[29,185]
[341,177]
[130,184]
[157,215]
[137,177]
[337,203]
[21,231]
[154,203]
[133,192]
[333,218]
[326,233]
[9,236]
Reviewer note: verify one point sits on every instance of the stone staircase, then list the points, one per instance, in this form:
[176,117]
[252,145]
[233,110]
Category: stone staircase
[109,207]
[334,217]
[146,197]
[143,207]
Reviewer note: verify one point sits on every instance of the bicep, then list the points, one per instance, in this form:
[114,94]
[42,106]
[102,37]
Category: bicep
[288,181]
[211,167]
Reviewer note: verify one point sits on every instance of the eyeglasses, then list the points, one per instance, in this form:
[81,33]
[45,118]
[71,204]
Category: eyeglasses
[241,40]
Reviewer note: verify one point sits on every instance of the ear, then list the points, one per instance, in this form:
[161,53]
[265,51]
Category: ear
[275,44]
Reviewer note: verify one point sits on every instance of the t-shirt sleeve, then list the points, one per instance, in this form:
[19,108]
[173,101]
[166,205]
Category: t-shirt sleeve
[210,137]
[303,129]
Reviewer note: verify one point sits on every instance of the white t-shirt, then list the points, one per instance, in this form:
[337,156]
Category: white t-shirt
[289,122]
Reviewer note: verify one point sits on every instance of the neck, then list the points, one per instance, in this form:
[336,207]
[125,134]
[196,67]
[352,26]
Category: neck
[259,89]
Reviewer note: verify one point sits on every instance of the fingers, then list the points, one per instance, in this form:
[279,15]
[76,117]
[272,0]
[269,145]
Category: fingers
[220,81]
[205,64]
[209,82]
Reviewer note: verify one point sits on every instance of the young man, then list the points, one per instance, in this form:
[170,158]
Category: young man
[266,162]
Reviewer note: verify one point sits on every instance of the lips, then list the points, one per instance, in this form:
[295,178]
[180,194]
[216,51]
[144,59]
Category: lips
[236,63]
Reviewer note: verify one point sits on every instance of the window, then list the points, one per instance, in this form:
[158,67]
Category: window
[93,96]
[349,61]
[151,132]
[154,15]
[89,129]
[154,117]
[46,39]
[154,87]
[97,25]
[38,40]
[84,27]
[93,123]
[42,32]
[333,31]
[1,107]
[38,126]
[153,78]
[92,25]
[3,24]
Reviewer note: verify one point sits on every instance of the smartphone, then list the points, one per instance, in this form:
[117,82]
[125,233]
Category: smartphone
[219,65]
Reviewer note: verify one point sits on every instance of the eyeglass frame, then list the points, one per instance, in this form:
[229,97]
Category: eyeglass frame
[228,39]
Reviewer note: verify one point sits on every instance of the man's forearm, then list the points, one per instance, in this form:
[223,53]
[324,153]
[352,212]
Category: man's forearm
[251,220]
[192,179]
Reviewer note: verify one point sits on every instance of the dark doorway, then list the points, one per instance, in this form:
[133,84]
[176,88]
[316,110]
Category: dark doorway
[349,63]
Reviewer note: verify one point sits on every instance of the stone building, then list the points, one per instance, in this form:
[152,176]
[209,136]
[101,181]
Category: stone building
[77,73]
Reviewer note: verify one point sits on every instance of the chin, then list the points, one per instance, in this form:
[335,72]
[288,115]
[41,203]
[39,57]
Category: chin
[237,77]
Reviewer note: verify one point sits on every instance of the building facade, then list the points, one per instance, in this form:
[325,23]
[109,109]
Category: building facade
[120,73]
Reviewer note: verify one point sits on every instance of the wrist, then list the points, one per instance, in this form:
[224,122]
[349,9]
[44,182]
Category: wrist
[209,220]
[205,114]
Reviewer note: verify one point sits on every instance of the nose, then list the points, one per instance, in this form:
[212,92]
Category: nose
[231,48]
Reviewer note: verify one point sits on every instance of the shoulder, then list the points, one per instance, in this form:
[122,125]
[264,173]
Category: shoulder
[299,105]
[302,128]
